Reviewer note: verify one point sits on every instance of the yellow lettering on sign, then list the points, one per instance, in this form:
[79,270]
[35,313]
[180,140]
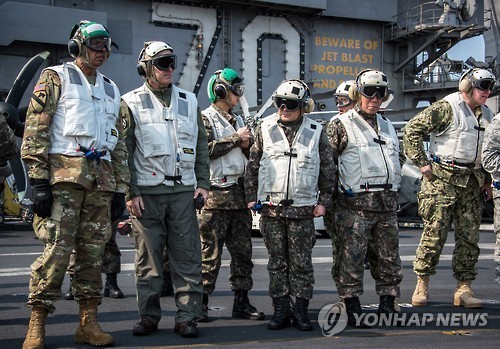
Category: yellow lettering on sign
[335,69]
[357,58]
[326,83]
[342,59]
[329,56]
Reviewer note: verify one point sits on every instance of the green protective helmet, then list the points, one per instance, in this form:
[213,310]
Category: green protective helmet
[222,81]
[90,34]
[88,29]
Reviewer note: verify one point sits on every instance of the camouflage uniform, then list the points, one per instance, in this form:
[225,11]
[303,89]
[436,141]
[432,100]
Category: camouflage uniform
[453,195]
[82,192]
[8,149]
[8,144]
[288,231]
[496,195]
[366,225]
[225,219]
[491,161]
[111,261]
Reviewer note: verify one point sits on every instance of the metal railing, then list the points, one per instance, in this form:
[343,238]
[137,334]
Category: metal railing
[443,73]
[427,16]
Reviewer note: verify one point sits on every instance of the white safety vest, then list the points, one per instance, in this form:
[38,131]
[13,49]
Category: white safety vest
[460,144]
[289,172]
[86,114]
[370,161]
[166,137]
[225,170]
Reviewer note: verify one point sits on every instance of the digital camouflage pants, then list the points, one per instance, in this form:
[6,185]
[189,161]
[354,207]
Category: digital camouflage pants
[440,204]
[289,243]
[233,228]
[374,234]
[496,221]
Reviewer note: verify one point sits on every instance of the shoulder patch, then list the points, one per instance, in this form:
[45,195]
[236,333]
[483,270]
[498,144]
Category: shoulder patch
[124,123]
[38,100]
[39,87]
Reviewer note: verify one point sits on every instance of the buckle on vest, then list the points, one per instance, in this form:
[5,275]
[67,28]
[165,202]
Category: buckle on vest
[92,153]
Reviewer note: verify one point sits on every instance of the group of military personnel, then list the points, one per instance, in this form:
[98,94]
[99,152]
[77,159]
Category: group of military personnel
[92,152]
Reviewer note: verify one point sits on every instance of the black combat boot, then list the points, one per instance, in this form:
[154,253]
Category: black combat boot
[386,305]
[300,318]
[243,309]
[204,309]
[111,288]
[167,287]
[69,295]
[353,307]
[281,317]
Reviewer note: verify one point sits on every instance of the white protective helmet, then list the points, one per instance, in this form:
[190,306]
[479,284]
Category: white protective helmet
[155,47]
[343,91]
[480,78]
[371,82]
[294,90]
[147,57]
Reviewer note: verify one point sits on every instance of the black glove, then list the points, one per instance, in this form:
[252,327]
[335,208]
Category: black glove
[199,202]
[117,206]
[42,197]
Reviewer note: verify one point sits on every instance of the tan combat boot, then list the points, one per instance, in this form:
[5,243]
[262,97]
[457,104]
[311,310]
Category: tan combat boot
[465,297]
[89,330]
[36,330]
[421,294]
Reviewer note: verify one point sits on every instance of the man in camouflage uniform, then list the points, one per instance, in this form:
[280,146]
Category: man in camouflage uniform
[225,218]
[367,150]
[491,163]
[77,164]
[344,104]
[8,149]
[289,162]
[452,183]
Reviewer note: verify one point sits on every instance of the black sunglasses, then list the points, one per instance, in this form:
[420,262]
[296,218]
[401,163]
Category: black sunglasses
[164,62]
[290,104]
[370,91]
[484,84]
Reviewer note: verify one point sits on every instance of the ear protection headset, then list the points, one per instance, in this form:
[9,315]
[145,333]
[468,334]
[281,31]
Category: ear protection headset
[74,43]
[74,47]
[222,82]
[354,93]
[220,90]
[141,65]
[307,101]
[465,84]
[353,89]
